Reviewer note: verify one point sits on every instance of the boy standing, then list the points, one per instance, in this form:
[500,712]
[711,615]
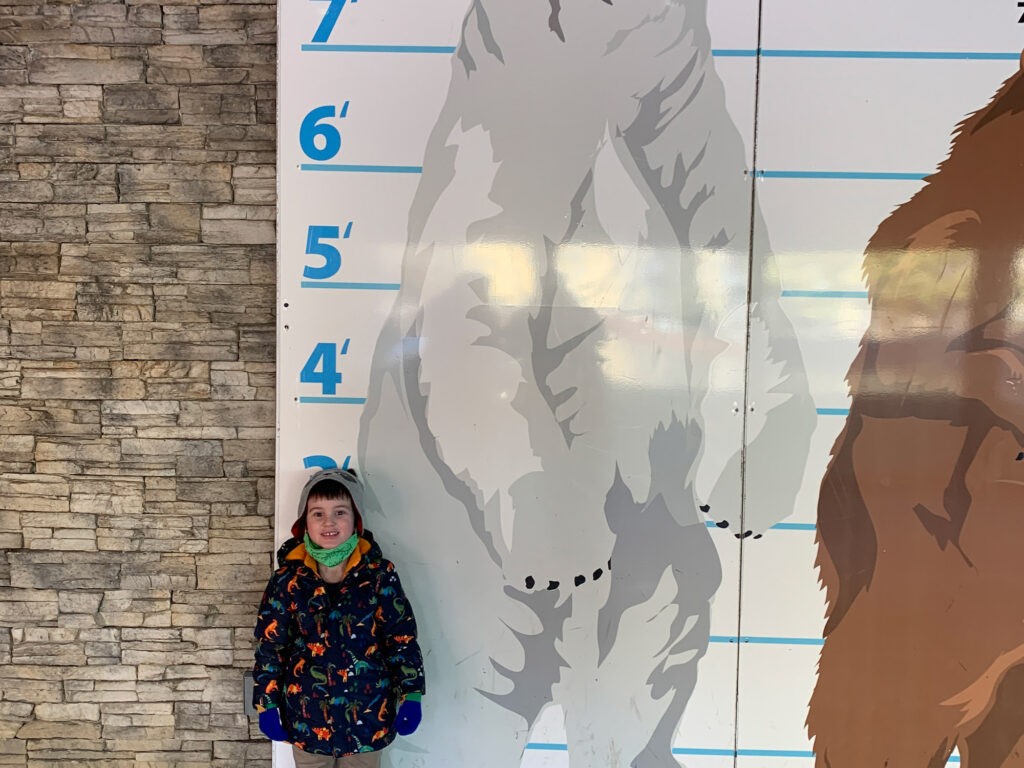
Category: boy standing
[338,670]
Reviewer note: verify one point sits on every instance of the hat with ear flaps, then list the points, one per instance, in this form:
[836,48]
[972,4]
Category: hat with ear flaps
[351,483]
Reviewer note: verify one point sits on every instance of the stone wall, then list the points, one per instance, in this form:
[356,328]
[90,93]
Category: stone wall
[137,297]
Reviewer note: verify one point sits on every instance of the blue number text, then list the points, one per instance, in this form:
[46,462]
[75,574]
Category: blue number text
[314,125]
[330,254]
[322,367]
[323,32]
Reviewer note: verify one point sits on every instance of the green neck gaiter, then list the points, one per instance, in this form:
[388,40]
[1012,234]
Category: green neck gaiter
[332,557]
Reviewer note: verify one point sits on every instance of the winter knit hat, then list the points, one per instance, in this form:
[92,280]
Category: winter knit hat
[348,479]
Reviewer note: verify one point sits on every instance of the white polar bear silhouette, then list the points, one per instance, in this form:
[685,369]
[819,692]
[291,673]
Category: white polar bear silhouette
[533,427]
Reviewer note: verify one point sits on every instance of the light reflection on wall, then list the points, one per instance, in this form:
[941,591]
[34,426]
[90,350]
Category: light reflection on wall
[643,292]
[722,287]
[637,293]
[821,269]
[596,275]
[921,300]
[510,271]
[1015,317]
[829,328]
[923,292]
[826,270]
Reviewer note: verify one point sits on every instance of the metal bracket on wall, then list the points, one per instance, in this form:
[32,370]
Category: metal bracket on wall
[247,686]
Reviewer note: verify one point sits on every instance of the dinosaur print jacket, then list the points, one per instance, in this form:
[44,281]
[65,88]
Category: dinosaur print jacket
[336,670]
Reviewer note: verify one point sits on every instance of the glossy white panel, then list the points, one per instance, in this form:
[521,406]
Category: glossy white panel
[857,104]
[877,25]
[867,115]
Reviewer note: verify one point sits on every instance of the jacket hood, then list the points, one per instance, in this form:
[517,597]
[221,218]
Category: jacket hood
[351,482]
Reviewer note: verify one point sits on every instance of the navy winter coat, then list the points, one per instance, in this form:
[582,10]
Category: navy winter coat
[336,671]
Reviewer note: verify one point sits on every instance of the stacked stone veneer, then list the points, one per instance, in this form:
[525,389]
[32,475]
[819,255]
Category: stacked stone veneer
[137,269]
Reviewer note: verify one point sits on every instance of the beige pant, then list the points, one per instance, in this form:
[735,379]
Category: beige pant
[360,760]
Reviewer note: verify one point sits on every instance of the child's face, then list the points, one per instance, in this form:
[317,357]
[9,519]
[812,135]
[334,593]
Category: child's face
[330,522]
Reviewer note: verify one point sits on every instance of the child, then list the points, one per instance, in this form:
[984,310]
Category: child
[338,670]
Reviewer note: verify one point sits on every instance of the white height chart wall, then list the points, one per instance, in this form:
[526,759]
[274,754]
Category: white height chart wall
[856,104]
[352,127]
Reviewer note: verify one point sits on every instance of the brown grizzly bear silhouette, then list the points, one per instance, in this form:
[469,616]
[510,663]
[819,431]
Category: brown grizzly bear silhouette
[921,512]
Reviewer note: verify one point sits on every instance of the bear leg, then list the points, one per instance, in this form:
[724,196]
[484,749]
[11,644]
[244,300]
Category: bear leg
[867,712]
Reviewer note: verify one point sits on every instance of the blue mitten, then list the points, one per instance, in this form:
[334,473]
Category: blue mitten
[408,718]
[270,724]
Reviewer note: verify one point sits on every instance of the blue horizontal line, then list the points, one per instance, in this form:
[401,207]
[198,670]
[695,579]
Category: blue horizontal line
[930,55]
[784,53]
[847,175]
[824,294]
[752,640]
[361,168]
[378,48]
[696,751]
[334,400]
[778,526]
[351,286]
[774,53]
[833,411]
[727,53]
[547,746]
